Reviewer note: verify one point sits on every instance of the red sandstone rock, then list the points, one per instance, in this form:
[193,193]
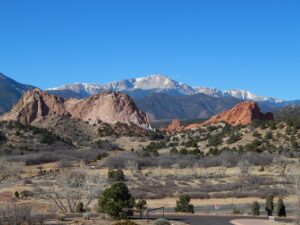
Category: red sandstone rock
[174,126]
[241,114]
[109,107]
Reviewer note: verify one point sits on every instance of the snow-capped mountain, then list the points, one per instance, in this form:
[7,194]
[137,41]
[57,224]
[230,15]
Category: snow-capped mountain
[142,86]
[159,83]
[240,94]
[81,89]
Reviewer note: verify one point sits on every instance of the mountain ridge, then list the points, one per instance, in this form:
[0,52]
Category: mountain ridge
[158,84]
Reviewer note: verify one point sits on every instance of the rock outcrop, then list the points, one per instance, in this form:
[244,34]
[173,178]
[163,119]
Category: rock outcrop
[109,107]
[241,114]
[174,126]
[35,105]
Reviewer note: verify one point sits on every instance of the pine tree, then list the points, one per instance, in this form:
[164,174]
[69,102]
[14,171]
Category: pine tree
[269,205]
[280,209]
[255,208]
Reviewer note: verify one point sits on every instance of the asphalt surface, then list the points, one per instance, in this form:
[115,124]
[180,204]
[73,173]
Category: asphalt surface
[205,220]
[201,220]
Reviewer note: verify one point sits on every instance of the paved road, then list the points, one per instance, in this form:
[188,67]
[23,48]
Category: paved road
[204,220]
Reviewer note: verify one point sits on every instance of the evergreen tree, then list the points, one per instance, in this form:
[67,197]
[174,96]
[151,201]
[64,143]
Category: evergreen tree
[255,208]
[114,199]
[183,205]
[280,209]
[269,205]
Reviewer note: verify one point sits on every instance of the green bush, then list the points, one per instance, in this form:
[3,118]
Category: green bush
[173,151]
[183,151]
[236,211]
[269,135]
[255,208]
[215,140]
[183,205]
[116,175]
[162,222]
[280,209]
[234,137]
[269,205]
[114,199]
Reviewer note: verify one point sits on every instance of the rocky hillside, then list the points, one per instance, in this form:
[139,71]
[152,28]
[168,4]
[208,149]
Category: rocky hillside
[164,107]
[108,107]
[10,92]
[288,113]
[241,114]
[19,138]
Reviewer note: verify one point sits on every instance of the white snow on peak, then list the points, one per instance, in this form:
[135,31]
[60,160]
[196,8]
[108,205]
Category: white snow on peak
[160,83]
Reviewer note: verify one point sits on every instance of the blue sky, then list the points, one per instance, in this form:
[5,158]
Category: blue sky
[245,44]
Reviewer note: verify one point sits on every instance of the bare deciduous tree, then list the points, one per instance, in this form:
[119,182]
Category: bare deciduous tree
[133,166]
[281,163]
[71,187]
[294,175]
[9,169]
[14,214]
[244,166]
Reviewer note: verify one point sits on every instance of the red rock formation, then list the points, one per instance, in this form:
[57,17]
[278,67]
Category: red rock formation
[109,107]
[241,114]
[174,126]
[35,105]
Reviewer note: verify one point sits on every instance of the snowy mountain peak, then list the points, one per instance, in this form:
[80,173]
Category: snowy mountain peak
[158,83]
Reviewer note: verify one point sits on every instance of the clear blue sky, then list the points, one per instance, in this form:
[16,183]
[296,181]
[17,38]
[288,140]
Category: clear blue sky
[245,44]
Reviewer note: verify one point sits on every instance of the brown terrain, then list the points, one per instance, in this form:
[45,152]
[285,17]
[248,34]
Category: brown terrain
[241,114]
[175,126]
[108,107]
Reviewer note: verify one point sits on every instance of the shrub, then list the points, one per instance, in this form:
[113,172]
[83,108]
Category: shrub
[269,205]
[236,211]
[47,138]
[61,217]
[234,137]
[17,194]
[255,208]
[116,175]
[280,209]
[127,222]
[215,140]
[141,205]
[261,169]
[173,151]
[183,151]
[244,166]
[2,137]
[183,205]
[162,222]
[114,199]
[86,216]
[269,135]
[80,208]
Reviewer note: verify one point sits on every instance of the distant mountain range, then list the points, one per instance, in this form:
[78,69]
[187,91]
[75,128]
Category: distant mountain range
[159,96]
[10,92]
[143,86]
